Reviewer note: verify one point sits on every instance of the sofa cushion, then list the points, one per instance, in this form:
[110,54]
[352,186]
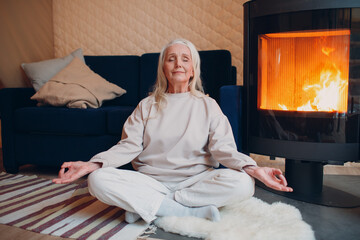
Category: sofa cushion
[53,120]
[123,71]
[53,150]
[116,119]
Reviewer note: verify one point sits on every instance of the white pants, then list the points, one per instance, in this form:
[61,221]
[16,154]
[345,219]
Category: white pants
[137,192]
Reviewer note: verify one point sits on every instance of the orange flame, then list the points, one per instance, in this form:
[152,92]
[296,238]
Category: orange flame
[327,92]
[304,71]
[327,50]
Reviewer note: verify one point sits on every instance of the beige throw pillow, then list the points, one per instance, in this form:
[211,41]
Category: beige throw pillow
[77,86]
[41,72]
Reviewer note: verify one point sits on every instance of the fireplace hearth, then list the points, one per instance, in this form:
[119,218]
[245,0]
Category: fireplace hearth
[302,90]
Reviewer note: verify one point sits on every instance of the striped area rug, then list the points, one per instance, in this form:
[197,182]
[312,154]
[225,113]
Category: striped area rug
[68,211]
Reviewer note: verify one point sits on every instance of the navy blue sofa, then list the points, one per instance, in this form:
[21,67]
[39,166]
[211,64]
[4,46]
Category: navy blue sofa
[49,136]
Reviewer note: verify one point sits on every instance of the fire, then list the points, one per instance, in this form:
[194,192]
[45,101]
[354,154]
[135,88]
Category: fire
[327,97]
[304,71]
[327,93]
[327,50]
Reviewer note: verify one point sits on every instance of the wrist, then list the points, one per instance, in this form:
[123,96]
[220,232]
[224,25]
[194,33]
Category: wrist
[94,166]
[249,169]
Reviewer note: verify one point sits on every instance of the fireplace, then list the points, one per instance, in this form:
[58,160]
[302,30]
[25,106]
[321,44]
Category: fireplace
[302,89]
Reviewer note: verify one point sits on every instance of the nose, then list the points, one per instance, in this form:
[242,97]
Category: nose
[177,63]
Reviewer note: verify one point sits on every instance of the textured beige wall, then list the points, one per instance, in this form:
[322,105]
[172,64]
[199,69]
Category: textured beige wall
[26,32]
[108,27]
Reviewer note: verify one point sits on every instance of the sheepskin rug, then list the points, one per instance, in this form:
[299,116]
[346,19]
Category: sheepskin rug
[252,219]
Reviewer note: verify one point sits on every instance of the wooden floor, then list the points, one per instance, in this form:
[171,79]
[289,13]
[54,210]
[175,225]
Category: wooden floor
[13,233]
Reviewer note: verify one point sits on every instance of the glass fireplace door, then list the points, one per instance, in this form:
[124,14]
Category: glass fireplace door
[304,71]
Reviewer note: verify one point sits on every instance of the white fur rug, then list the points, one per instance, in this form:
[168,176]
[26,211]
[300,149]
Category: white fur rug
[252,219]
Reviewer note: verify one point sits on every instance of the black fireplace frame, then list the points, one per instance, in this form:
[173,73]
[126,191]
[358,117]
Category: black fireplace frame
[304,160]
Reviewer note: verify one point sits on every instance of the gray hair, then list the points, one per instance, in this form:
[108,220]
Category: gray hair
[161,84]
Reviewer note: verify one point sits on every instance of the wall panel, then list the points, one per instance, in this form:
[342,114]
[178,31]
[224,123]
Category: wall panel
[120,27]
[26,31]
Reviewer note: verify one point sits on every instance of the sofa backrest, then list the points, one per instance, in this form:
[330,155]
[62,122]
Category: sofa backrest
[123,71]
[137,74]
[148,72]
[216,71]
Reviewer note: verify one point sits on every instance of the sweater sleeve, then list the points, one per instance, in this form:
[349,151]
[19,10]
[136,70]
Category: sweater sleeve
[222,144]
[131,144]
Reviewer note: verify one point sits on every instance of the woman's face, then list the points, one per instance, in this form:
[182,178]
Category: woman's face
[178,67]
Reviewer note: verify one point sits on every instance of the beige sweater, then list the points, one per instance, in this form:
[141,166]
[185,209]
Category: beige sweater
[189,136]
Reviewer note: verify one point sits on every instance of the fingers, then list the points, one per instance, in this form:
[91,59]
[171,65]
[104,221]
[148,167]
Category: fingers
[277,180]
[285,189]
[282,179]
[57,181]
[279,175]
[62,181]
[61,172]
[71,171]
[67,164]
[279,187]
[283,182]
[65,176]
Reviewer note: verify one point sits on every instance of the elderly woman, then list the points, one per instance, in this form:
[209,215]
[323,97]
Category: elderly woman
[175,139]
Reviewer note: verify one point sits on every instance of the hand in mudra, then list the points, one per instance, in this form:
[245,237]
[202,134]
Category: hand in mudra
[71,171]
[271,177]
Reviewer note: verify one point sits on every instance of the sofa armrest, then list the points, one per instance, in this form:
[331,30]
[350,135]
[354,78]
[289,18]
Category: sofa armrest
[10,100]
[234,74]
[231,105]
[13,98]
